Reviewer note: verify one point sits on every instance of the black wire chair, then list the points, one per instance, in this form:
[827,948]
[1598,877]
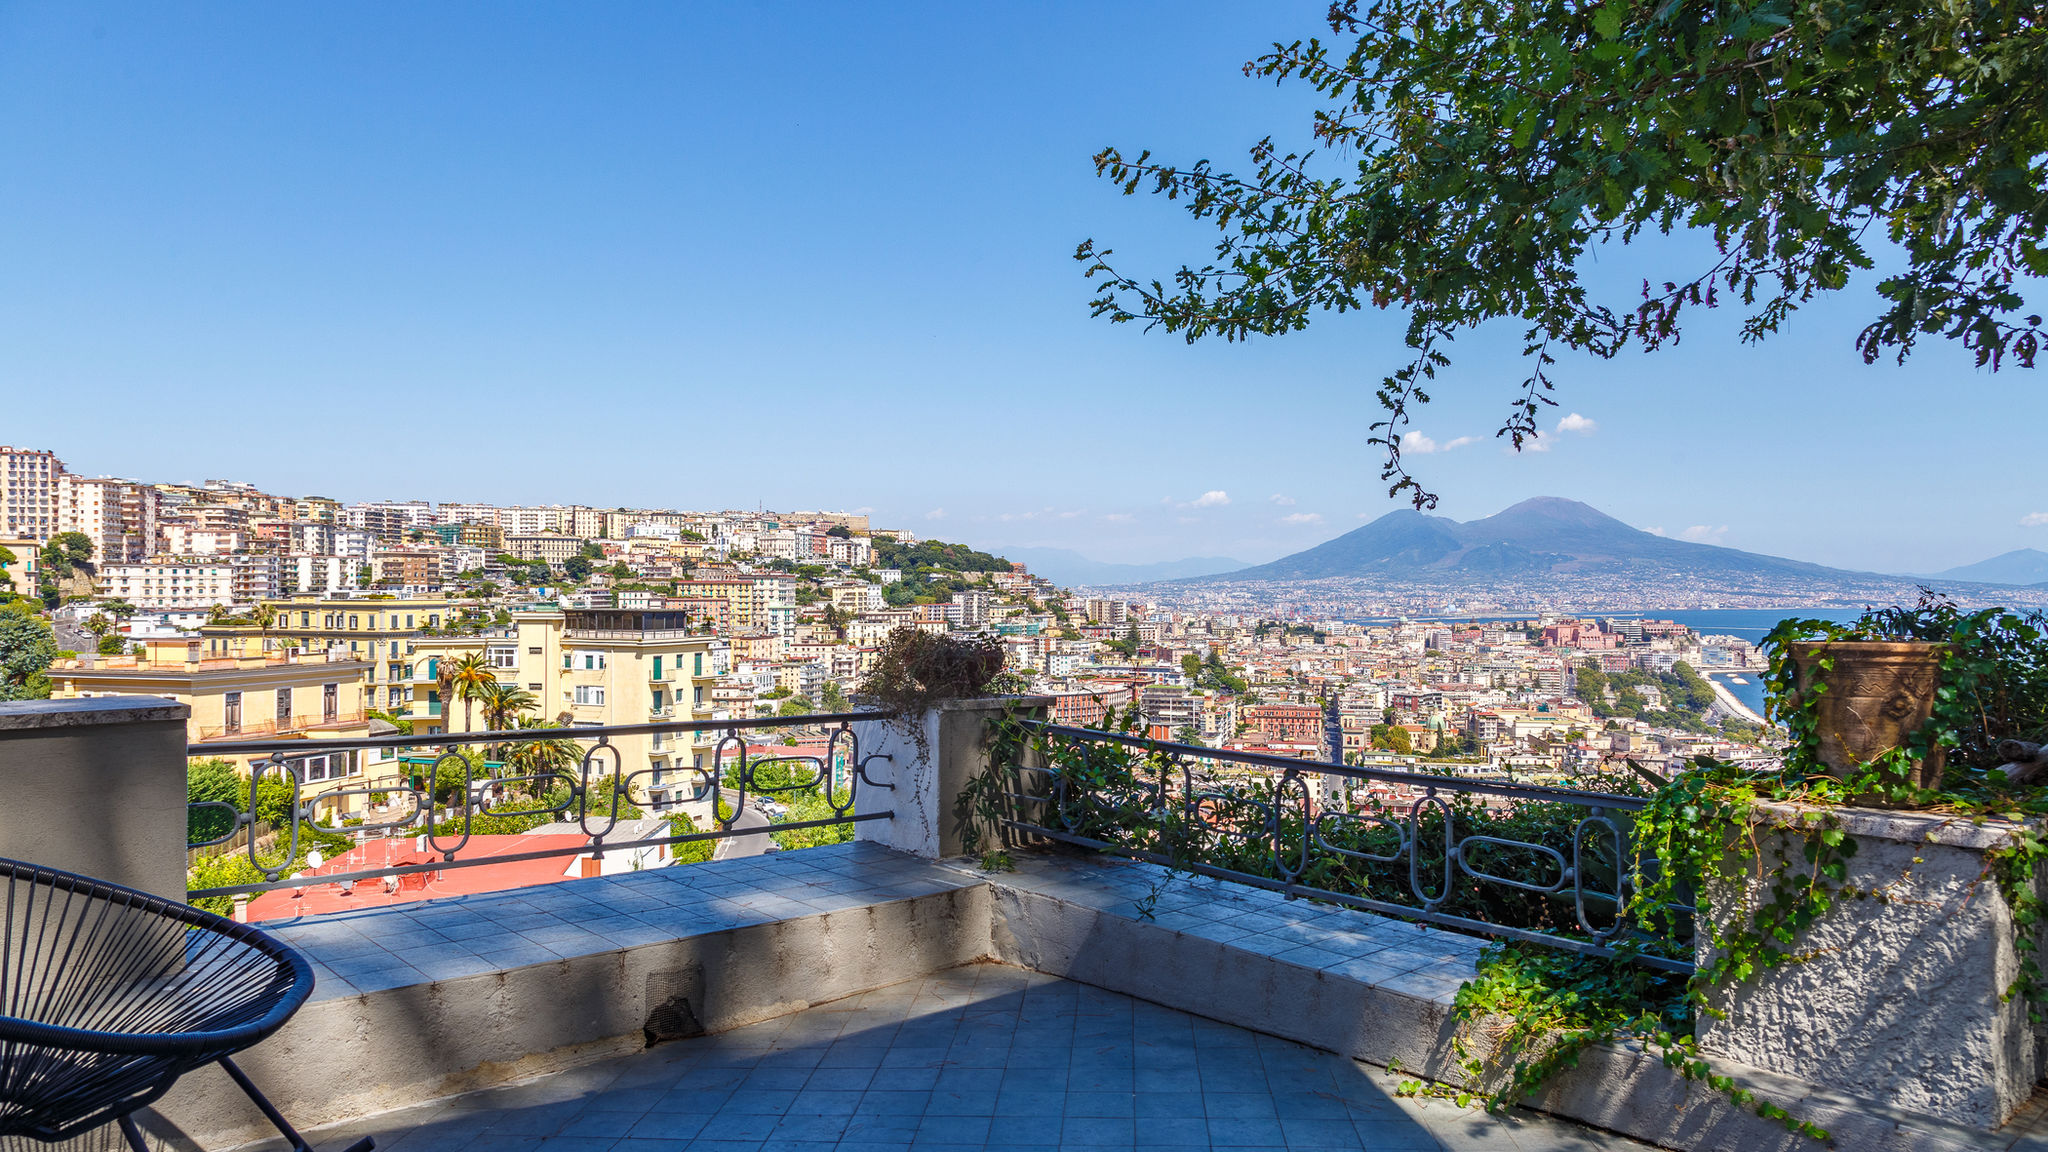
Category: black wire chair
[111,994]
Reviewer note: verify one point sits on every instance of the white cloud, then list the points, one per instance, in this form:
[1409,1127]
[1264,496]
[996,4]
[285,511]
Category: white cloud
[863,510]
[936,514]
[1419,444]
[1573,422]
[1283,501]
[1704,534]
[1118,517]
[1214,498]
[1072,513]
[1302,518]
[2034,520]
[1654,531]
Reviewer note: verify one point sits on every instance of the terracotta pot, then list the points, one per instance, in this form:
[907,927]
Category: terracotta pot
[1878,694]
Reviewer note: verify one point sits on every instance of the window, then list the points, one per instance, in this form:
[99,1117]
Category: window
[330,702]
[231,704]
[352,623]
[284,706]
[408,619]
[502,657]
[657,667]
[331,766]
[697,668]
[534,651]
[592,662]
[590,694]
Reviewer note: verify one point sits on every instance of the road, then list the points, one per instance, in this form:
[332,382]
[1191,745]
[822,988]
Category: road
[71,638]
[749,818]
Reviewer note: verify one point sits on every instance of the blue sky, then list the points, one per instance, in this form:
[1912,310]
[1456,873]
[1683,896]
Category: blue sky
[820,255]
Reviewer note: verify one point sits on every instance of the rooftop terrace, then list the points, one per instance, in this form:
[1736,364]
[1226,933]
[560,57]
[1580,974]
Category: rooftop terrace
[890,993]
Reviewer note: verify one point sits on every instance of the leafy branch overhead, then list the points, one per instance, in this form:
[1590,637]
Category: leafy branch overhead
[1490,147]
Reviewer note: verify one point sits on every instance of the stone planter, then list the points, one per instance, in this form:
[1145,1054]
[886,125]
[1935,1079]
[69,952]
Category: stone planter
[1879,692]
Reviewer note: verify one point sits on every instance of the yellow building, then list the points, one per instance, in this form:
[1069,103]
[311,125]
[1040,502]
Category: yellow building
[19,575]
[279,695]
[378,631]
[596,666]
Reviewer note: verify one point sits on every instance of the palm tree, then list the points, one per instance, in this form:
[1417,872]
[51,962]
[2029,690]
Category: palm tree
[503,703]
[543,756]
[464,678]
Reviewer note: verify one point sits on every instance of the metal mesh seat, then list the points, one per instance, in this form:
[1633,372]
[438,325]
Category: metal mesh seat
[110,994]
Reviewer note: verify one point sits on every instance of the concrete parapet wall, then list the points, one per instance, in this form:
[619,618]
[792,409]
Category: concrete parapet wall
[97,787]
[1900,990]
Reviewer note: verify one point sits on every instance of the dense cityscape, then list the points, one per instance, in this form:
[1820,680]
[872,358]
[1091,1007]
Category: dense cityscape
[274,616]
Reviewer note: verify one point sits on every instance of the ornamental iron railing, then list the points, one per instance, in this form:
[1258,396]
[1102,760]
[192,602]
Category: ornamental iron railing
[449,786]
[1543,865]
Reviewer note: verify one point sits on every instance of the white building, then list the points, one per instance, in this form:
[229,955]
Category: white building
[161,584]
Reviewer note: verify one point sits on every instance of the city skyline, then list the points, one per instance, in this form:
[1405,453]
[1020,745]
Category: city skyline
[385,255]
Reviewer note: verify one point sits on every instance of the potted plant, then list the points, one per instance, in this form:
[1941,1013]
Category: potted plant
[1904,697]
[1866,700]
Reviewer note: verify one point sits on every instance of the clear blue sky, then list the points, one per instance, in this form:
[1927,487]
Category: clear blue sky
[820,255]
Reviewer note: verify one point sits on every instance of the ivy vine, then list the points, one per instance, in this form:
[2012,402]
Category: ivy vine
[1701,828]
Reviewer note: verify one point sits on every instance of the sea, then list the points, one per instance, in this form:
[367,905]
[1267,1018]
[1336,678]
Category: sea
[1751,624]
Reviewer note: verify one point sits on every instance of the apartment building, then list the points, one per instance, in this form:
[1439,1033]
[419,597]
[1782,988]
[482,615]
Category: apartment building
[28,493]
[592,667]
[379,631]
[118,516]
[19,575]
[170,583]
[549,546]
[316,575]
[250,697]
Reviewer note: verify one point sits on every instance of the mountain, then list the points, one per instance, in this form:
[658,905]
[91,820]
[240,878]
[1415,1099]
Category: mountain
[1068,568]
[2020,566]
[1538,538]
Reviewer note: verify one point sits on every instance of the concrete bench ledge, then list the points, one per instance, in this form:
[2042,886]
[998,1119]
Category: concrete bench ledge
[421,1001]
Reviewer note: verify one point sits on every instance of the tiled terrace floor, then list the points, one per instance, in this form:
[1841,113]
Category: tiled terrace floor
[985,1057]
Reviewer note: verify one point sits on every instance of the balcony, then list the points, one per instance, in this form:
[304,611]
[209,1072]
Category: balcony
[253,729]
[887,991]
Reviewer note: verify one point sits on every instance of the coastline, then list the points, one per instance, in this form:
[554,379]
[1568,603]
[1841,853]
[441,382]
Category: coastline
[1729,700]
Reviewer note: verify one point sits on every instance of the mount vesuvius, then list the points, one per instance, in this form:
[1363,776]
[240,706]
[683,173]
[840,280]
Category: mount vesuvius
[1542,537]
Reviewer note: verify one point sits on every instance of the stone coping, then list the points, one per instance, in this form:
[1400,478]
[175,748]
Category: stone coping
[990,703]
[1396,956]
[20,715]
[1968,832]
[428,941]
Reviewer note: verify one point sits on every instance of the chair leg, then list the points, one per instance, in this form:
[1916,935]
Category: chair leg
[133,1133]
[366,1144]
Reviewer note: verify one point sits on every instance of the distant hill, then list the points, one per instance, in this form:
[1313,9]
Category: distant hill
[1067,568]
[1542,537]
[2020,566]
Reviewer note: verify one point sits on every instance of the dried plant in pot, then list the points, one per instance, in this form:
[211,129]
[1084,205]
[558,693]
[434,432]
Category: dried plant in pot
[1867,699]
[914,670]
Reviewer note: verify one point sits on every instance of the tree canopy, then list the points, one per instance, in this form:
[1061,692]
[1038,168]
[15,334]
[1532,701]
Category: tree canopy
[26,650]
[1488,149]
